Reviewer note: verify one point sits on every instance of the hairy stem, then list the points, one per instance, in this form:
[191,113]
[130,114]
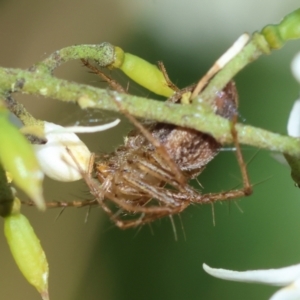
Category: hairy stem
[201,118]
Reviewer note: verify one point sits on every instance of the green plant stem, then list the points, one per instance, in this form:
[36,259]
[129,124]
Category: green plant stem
[201,118]
[103,53]
[271,37]
[20,111]
[255,48]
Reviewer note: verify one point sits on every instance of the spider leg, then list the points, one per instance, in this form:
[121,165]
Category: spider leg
[57,204]
[149,214]
[232,194]
[165,196]
[157,172]
[111,82]
[170,84]
[246,181]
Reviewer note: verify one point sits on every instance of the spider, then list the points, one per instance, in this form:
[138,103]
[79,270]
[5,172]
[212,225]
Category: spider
[147,177]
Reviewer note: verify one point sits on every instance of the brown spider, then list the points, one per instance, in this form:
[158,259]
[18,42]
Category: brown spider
[147,178]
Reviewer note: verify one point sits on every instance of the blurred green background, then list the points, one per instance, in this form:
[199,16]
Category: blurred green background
[98,261]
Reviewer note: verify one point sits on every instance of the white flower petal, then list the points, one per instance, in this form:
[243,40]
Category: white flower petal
[291,292]
[278,277]
[293,126]
[295,66]
[88,129]
[64,157]
[55,161]
[237,47]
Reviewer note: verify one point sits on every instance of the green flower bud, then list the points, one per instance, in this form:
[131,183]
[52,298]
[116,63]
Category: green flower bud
[18,158]
[142,72]
[26,250]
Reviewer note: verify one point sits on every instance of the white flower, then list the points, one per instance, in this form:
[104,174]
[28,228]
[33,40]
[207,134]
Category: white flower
[64,156]
[295,66]
[289,277]
[293,126]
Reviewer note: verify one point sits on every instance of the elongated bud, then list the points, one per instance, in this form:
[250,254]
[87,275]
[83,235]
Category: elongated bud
[142,72]
[27,250]
[64,156]
[18,158]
